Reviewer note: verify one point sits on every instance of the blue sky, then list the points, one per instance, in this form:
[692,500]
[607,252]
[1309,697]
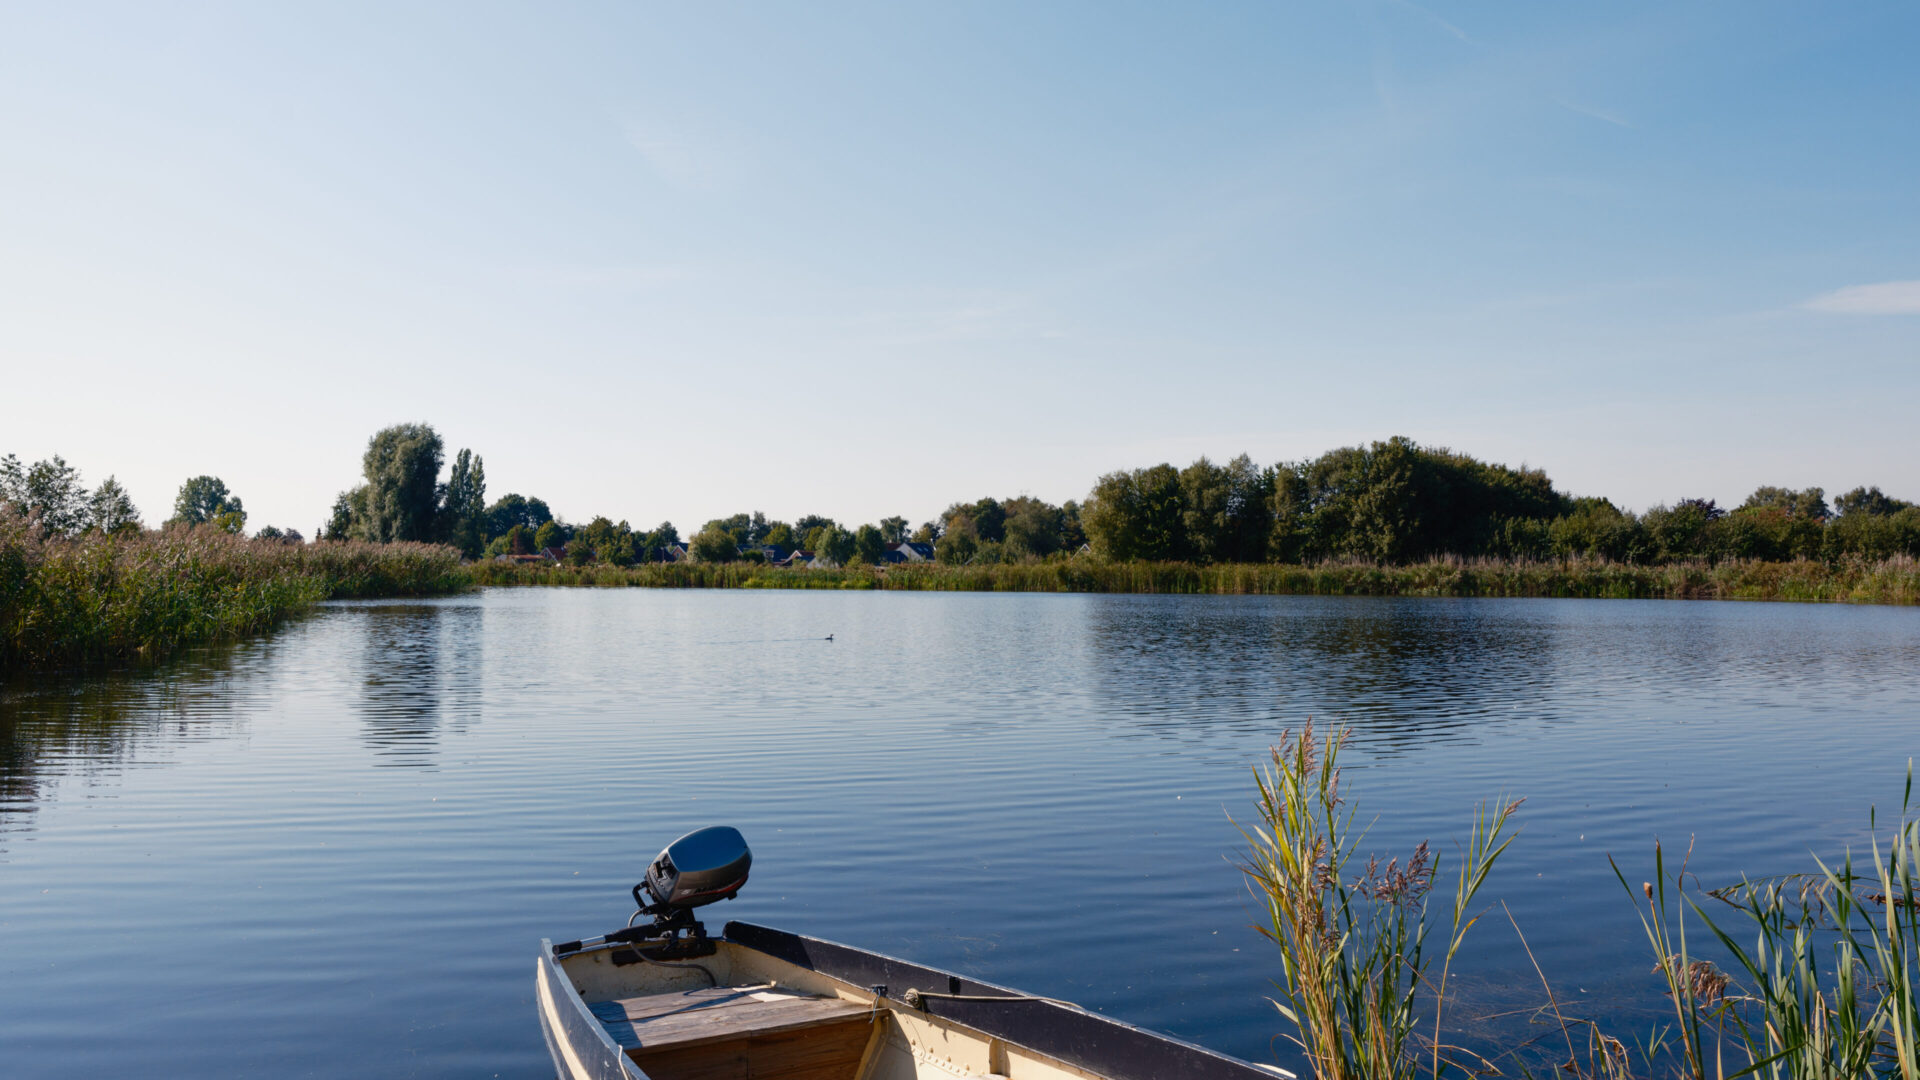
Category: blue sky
[678,261]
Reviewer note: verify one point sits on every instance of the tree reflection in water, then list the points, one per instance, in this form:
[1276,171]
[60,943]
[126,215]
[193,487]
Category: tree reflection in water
[419,670]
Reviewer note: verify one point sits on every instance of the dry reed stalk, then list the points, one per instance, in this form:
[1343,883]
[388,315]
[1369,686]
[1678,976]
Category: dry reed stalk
[1353,952]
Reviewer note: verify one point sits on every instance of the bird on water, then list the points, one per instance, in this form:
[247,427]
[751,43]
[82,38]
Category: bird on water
[829,637]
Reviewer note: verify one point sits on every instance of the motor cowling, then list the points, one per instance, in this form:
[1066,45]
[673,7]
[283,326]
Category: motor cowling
[700,868]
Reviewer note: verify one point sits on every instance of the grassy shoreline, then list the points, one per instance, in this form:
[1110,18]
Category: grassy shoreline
[1888,581]
[142,596]
[139,597]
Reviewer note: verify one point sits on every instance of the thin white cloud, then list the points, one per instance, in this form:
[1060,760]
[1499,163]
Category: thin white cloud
[691,162]
[1603,115]
[637,278]
[1455,31]
[1885,298]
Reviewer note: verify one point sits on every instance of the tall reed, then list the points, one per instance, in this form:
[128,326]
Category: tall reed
[140,596]
[1823,989]
[1889,581]
[1353,951]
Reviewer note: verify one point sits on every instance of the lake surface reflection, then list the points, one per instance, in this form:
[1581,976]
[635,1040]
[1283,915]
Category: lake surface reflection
[333,851]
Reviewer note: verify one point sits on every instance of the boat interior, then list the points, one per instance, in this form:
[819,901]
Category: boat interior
[741,1013]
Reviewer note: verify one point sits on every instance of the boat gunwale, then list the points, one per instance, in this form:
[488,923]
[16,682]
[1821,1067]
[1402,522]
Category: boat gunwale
[554,987]
[1086,1040]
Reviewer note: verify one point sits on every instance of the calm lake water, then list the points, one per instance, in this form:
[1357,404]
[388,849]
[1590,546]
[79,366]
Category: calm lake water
[333,851]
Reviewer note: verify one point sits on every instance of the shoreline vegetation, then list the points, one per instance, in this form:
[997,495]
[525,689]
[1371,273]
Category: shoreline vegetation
[138,596]
[83,580]
[1893,581]
[1811,977]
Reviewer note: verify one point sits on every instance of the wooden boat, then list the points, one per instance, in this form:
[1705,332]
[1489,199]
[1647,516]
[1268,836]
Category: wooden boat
[666,1002]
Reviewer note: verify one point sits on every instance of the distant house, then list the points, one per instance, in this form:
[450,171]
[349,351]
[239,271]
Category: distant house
[910,552]
[671,553]
[796,559]
[773,553]
[553,554]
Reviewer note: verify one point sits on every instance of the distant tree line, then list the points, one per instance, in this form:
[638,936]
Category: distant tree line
[1391,502]
[1399,502]
[401,497]
[51,495]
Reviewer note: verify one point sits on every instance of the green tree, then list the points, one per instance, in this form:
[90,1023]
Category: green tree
[1397,501]
[110,509]
[807,524]
[346,510]
[1072,532]
[1136,514]
[1033,528]
[550,534]
[205,500]
[1810,503]
[986,519]
[1248,517]
[1205,491]
[833,544]
[588,538]
[893,530]
[739,526]
[779,534]
[49,493]
[956,547]
[520,540]
[1860,532]
[463,511]
[402,467]
[1594,528]
[1868,501]
[621,549]
[1296,519]
[511,510]
[1680,532]
[1769,532]
[868,544]
[660,539]
[602,541]
[714,544]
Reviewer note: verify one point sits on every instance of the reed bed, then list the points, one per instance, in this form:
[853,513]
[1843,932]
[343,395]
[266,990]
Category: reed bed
[1820,982]
[1889,581]
[1812,976]
[140,596]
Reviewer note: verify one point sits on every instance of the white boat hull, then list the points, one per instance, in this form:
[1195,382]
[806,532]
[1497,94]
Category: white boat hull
[769,1005]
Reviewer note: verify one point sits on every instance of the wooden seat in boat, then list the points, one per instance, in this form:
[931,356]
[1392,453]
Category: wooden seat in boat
[739,1031]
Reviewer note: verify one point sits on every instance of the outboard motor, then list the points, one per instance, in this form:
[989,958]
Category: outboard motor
[699,868]
[703,867]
